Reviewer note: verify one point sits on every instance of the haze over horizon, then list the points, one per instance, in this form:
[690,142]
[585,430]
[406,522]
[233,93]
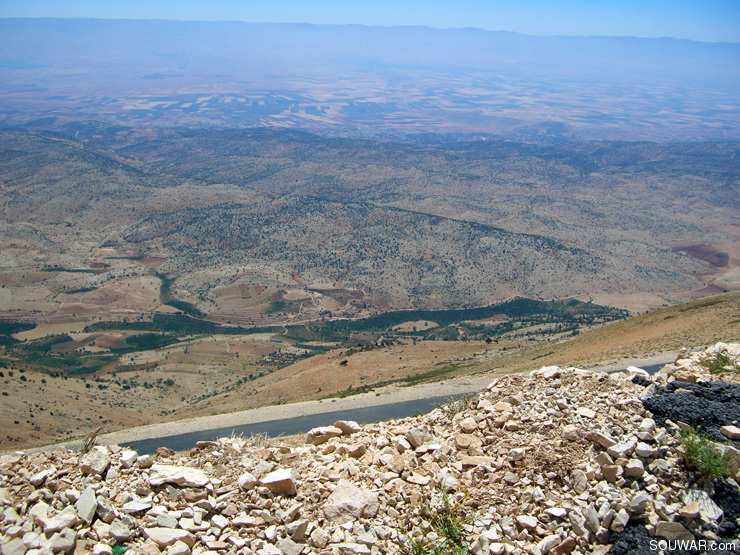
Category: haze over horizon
[705,21]
[355,81]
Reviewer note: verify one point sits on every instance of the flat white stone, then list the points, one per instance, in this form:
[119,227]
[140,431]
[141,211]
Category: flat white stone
[348,503]
[87,505]
[517,454]
[732,432]
[348,427]
[65,519]
[322,434]
[557,512]
[164,537]
[280,481]
[586,413]
[528,522]
[128,458]
[178,475]
[137,506]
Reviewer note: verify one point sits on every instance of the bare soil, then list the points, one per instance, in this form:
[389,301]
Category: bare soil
[724,257]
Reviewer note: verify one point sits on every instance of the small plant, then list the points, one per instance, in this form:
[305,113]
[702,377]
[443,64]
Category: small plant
[260,440]
[453,406]
[717,365]
[91,440]
[447,518]
[416,547]
[119,549]
[702,455]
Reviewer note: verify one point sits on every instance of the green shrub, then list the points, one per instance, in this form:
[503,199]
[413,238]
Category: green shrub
[717,365]
[702,455]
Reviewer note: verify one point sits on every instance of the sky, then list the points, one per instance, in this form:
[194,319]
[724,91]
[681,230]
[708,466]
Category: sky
[700,20]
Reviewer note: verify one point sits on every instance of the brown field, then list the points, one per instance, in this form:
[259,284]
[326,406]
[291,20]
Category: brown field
[634,302]
[151,262]
[43,330]
[724,257]
[417,325]
[107,340]
[247,304]
[707,253]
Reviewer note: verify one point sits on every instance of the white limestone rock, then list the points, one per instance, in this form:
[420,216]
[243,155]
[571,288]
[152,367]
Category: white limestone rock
[280,481]
[96,461]
[64,541]
[348,503]
[87,505]
[65,519]
[128,458]
[418,436]
[179,548]
[165,537]
[183,476]
[732,432]
[120,531]
[247,481]
[348,427]
[322,434]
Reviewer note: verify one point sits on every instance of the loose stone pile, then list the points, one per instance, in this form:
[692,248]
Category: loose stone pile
[692,367]
[554,461]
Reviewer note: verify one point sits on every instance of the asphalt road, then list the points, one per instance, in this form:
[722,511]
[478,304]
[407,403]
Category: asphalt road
[292,426]
[302,424]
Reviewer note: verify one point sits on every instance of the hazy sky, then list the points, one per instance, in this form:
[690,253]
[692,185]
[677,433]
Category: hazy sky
[703,20]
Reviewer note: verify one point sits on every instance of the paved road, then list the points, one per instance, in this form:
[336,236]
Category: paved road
[291,426]
[302,424]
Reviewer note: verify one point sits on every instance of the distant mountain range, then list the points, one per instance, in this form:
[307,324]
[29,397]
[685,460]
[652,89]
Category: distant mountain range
[351,80]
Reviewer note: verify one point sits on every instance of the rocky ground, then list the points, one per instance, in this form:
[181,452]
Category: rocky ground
[554,461]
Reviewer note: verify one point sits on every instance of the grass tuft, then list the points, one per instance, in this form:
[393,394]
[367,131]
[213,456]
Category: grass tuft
[447,517]
[452,407]
[261,440]
[91,440]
